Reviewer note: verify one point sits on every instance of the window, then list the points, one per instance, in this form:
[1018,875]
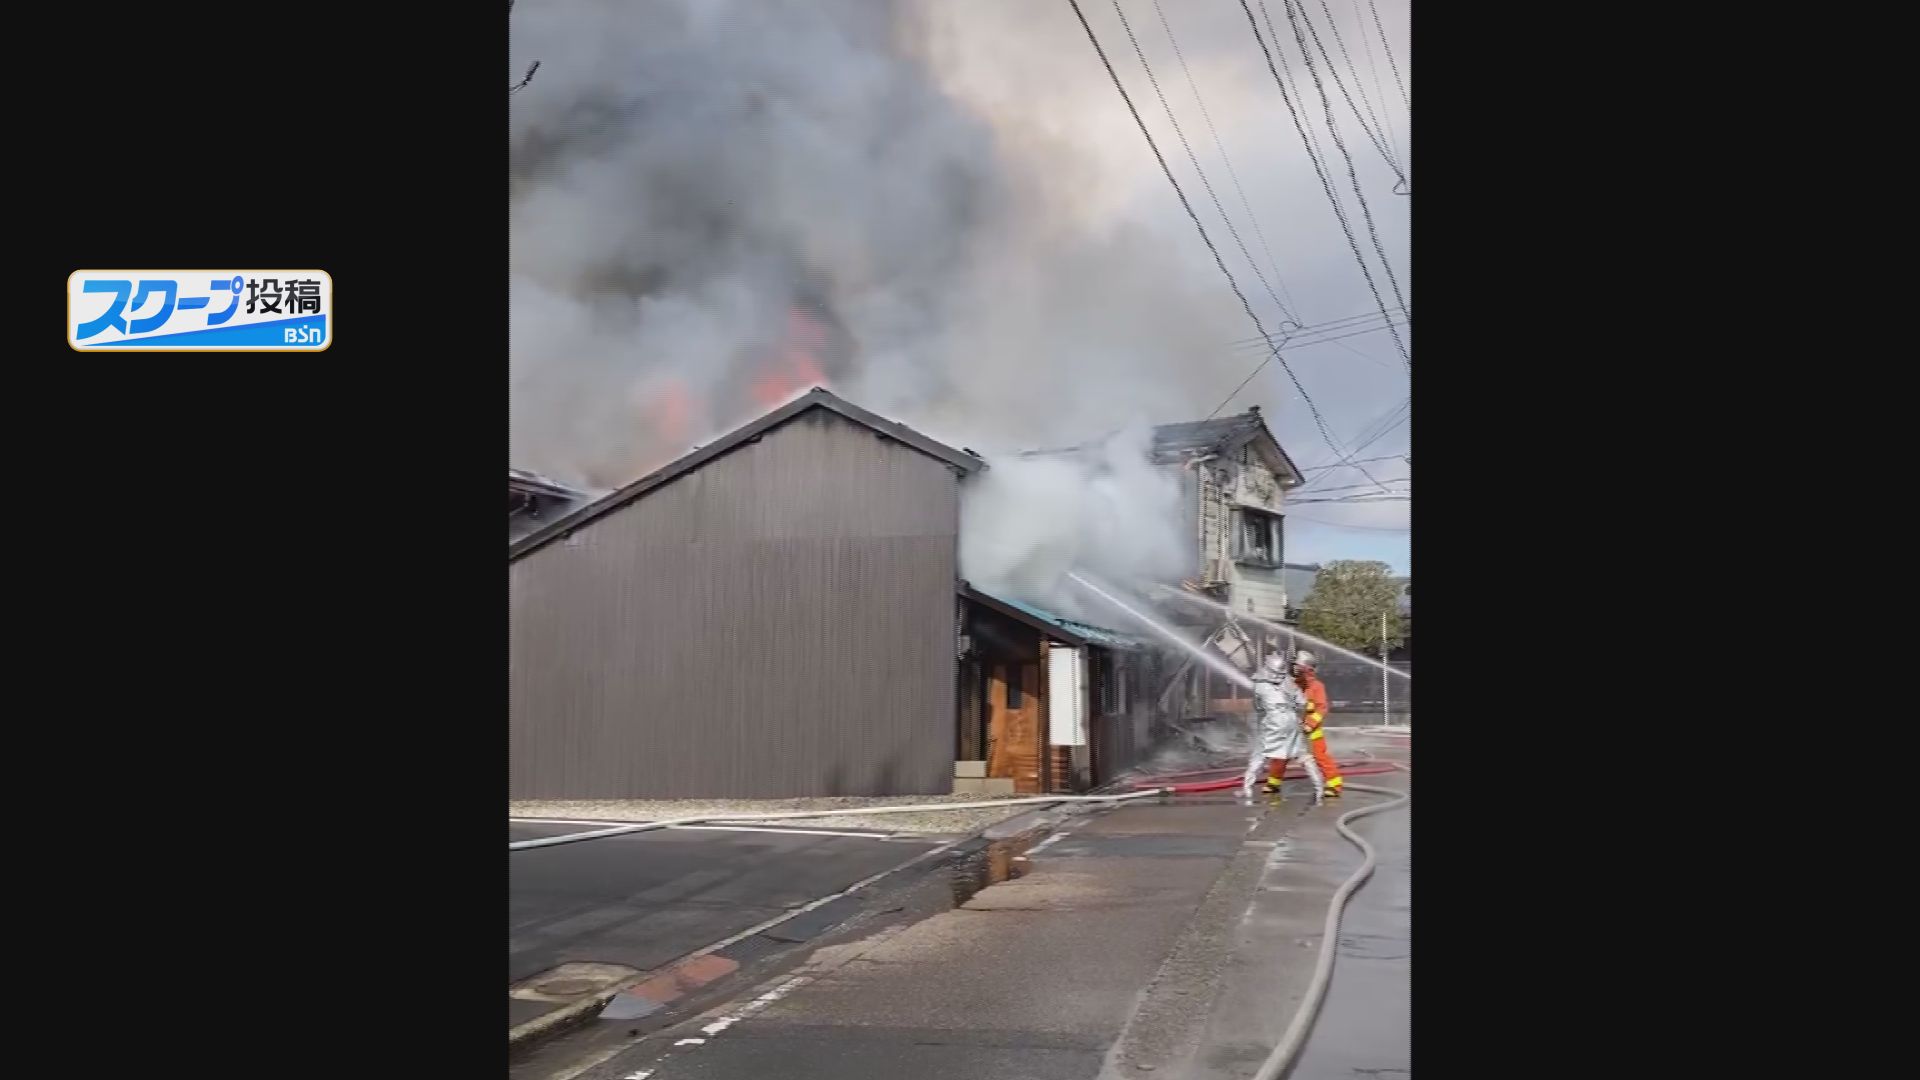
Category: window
[1257,538]
[1015,699]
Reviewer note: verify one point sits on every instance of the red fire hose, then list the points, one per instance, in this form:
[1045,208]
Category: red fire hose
[1193,783]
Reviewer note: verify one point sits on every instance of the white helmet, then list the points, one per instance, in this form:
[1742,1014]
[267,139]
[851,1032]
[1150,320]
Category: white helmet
[1305,659]
[1276,664]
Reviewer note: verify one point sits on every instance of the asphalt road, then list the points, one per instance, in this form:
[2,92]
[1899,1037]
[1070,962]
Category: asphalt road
[645,900]
[1365,1026]
[1138,942]
[1031,979]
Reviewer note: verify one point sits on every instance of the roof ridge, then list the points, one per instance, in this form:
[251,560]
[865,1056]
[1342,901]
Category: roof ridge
[816,398]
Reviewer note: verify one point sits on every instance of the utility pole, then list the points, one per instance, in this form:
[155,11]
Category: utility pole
[1386,718]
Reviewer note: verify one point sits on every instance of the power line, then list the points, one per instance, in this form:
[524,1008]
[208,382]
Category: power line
[1399,415]
[1374,134]
[1352,487]
[1355,528]
[1294,343]
[1311,327]
[1313,140]
[1186,204]
[1326,186]
[1232,173]
[1338,464]
[1318,341]
[1338,341]
[1319,168]
[1388,46]
[1406,411]
[1373,70]
[1192,158]
[1384,423]
[1290,339]
[1333,128]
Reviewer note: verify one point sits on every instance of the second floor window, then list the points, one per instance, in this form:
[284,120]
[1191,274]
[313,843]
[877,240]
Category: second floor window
[1257,540]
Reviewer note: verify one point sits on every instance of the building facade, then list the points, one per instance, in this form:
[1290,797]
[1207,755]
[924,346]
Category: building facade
[770,616]
[1234,477]
[1047,704]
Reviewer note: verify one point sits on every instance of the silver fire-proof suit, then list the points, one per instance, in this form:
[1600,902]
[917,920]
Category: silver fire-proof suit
[1277,705]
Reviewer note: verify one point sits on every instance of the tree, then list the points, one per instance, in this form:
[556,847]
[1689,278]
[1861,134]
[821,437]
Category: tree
[1346,603]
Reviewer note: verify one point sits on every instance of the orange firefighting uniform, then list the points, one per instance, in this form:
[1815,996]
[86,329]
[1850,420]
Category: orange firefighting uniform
[1314,720]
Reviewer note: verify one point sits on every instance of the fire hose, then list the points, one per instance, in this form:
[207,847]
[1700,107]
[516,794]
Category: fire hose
[1295,1039]
[796,815]
[1204,780]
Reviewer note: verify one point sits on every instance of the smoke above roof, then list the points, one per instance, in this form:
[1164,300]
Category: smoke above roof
[715,203]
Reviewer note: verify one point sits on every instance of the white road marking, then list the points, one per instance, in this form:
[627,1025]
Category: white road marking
[744,1011]
[804,908]
[770,996]
[1042,845]
[715,828]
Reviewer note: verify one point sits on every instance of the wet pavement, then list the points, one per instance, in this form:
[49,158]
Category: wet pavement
[1155,939]
[1365,1027]
[1363,1024]
[1033,974]
[584,916]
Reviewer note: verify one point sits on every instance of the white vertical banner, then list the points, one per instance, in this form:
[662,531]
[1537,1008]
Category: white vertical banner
[1066,696]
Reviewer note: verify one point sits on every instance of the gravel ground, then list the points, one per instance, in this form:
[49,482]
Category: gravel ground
[632,810]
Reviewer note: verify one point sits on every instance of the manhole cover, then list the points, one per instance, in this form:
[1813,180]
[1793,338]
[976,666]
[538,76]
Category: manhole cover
[569,982]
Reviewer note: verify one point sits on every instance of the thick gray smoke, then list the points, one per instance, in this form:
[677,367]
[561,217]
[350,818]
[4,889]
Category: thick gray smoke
[1109,511]
[687,174]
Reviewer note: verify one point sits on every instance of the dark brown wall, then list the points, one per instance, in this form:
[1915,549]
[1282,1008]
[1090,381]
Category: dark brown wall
[779,622]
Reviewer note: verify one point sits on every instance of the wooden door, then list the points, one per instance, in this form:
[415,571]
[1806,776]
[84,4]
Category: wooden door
[1013,729]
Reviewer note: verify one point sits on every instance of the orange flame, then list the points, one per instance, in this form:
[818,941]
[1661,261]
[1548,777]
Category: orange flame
[796,368]
[667,412]
[672,414]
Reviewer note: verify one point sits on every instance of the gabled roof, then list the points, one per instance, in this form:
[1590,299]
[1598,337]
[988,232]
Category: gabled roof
[813,399]
[1197,438]
[535,484]
[1061,629]
[1223,436]
[533,500]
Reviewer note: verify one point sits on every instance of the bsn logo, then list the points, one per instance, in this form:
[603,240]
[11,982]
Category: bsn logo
[206,310]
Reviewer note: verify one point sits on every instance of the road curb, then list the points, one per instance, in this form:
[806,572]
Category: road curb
[578,1013]
[566,1017]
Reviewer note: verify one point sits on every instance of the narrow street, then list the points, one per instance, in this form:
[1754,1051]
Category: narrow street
[1150,939]
[582,916]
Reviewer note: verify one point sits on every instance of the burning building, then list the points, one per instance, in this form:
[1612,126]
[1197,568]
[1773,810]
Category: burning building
[780,613]
[1233,477]
[800,347]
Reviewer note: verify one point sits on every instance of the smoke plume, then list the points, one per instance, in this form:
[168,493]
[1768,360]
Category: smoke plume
[691,179]
[1107,510]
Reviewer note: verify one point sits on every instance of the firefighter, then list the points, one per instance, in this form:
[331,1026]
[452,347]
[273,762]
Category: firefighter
[1314,719]
[1278,704]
